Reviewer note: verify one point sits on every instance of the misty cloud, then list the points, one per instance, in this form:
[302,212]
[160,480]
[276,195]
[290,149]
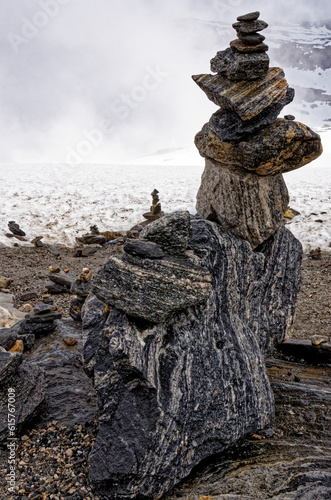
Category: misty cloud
[70,67]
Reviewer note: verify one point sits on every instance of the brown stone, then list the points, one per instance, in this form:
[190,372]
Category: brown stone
[5,282]
[278,148]
[240,46]
[17,347]
[249,205]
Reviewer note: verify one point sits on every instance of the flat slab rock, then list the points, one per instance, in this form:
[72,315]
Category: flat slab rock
[177,392]
[151,289]
[281,147]
[251,206]
[247,98]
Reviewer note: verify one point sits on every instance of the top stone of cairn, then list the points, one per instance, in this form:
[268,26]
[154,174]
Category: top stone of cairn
[252,16]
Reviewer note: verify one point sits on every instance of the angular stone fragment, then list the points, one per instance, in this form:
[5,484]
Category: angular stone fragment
[247,99]
[230,127]
[43,308]
[172,232]
[240,46]
[151,289]
[279,148]
[173,394]
[236,66]
[250,26]
[62,278]
[249,205]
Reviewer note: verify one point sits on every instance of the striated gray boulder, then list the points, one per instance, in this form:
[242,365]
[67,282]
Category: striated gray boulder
[174,393]
[251,206]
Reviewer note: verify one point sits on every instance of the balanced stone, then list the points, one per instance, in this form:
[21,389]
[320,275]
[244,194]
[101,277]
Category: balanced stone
[251,16]
[230,127]
[249,205]
[247,99]
[281,147]
[236,66]
[252,39]
[240,46]
[243,27]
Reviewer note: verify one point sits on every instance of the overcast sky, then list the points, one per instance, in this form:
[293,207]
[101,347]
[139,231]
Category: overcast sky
[110,80]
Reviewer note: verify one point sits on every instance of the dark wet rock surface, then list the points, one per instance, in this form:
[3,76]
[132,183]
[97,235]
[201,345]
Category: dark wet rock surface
[292,465]
[70,397]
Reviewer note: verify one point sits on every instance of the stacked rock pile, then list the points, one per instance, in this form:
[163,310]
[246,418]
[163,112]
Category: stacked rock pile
[247,148]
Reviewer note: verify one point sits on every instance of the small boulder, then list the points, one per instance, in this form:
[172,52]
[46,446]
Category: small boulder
[143,249]
[172,232]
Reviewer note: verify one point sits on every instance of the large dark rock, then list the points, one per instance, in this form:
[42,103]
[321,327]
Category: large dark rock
[175,393]
[294,464]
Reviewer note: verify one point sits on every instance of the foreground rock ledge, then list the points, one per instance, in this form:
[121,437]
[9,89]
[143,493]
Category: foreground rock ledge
[175,393]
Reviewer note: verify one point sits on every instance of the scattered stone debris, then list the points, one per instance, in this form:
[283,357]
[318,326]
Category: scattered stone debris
[315,254]
[5,282]
[15,229]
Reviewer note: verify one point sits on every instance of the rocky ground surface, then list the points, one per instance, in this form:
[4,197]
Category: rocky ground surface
[52,455]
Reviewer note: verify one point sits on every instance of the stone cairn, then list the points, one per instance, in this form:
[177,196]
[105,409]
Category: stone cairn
[247,148]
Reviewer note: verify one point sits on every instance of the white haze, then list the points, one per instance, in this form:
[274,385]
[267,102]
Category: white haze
[74,74]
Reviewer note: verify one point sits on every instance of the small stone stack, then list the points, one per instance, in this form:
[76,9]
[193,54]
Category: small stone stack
[155,210]
[246,147]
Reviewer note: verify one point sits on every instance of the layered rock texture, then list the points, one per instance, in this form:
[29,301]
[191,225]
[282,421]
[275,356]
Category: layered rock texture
[177,327]
[179,365]
[245,140]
